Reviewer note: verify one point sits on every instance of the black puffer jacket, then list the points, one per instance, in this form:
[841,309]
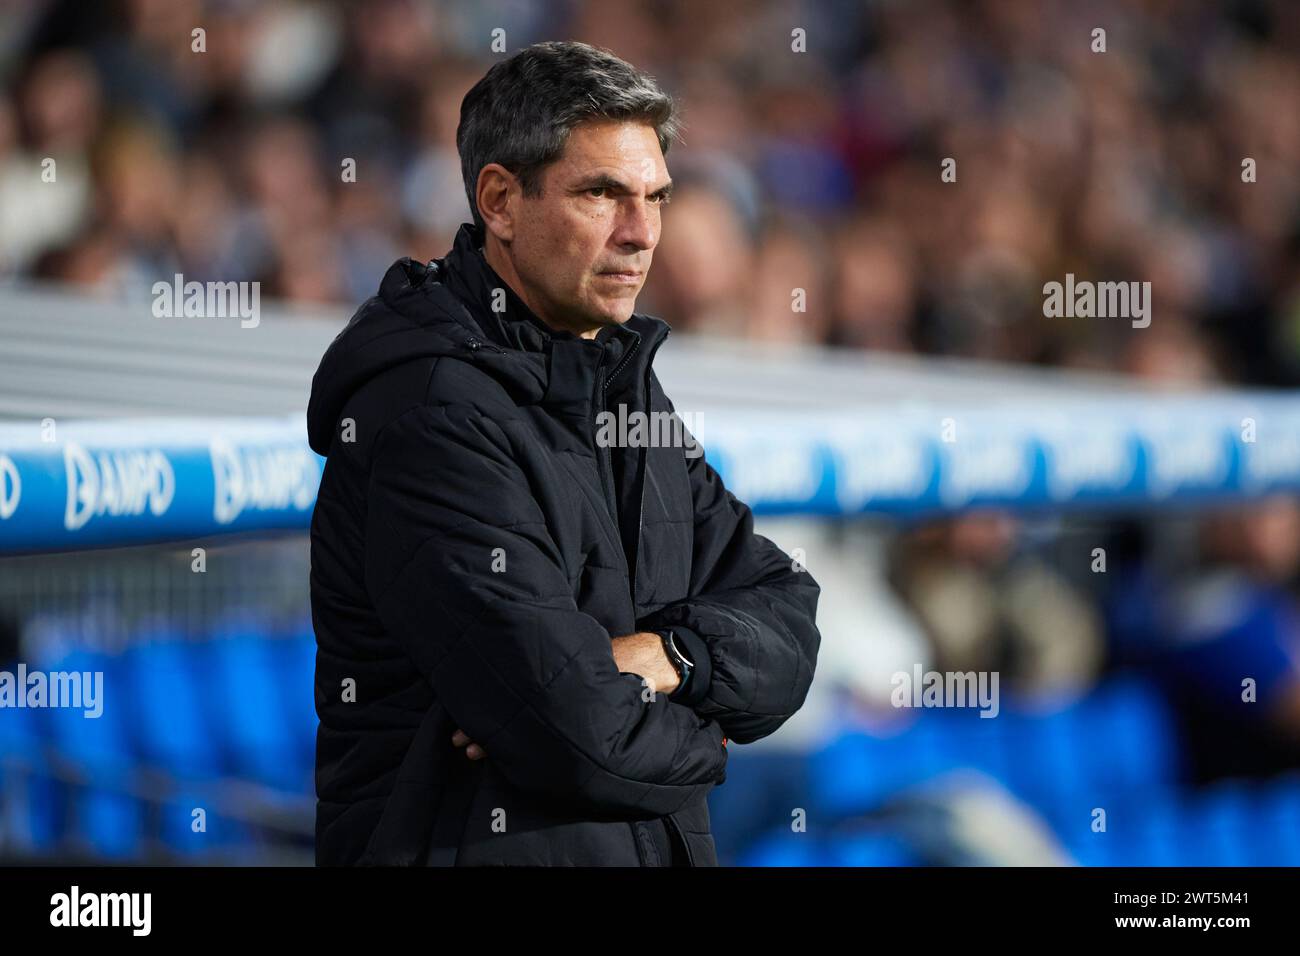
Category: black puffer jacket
[470,553]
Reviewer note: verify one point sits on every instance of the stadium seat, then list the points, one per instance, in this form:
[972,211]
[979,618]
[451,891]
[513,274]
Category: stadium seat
[168,721]
[107,818]
[246,697]
[762,790]
[295,667]
[1276,821]
[34,801]
[783,848]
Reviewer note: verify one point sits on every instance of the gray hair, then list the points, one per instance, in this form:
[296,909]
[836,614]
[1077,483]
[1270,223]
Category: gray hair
[520,113]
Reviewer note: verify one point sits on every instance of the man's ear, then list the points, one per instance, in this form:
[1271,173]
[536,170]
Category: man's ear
[498,192]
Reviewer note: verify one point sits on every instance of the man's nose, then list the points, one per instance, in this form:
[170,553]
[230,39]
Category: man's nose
[638,225]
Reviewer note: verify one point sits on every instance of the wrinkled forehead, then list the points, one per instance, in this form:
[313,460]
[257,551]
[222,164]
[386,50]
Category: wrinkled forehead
[626,149]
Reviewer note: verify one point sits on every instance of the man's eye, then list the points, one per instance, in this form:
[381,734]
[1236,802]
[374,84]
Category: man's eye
[661,198]
[597,192]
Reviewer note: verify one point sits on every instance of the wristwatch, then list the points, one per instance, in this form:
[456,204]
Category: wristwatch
[681,663]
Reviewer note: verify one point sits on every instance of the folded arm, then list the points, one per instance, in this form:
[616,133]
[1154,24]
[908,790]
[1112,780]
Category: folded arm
[750,617]
[462,570]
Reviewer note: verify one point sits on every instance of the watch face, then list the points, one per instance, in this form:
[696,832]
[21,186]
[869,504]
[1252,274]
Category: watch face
[672,639]
[671,652]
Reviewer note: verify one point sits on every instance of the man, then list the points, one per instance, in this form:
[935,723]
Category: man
[532,647]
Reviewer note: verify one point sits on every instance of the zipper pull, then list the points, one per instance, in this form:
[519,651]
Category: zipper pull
[473,343]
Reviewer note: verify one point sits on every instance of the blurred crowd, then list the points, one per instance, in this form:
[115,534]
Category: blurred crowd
[1170,157]
[222,156]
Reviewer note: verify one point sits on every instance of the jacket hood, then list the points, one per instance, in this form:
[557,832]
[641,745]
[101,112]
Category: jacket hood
[444,307]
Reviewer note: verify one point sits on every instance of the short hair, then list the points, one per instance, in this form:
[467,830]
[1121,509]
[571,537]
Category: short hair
[520,113]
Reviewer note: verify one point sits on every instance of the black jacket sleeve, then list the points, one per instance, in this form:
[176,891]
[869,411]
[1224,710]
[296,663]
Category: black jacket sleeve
[462,570]
[751,607]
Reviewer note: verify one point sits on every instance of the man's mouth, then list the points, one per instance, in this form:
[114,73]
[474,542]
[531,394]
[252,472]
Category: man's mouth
[628,277]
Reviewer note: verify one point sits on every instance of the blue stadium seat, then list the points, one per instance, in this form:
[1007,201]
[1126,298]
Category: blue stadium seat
[168,720]
[208,713]
[294,658]
[246,699]
[1141,748]
[1109,749]
[1118,739]
[107,819]
[169,677]
[1222,816]
[872,848]
[188,834]
[33,801]
[868,846]
[1154,832]
[783,848]
[1276,822]
[762,790]
[858,771]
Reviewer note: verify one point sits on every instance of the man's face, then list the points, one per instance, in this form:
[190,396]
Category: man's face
[583,247]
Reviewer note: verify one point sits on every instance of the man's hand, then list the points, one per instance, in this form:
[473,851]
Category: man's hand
[641,653]
[473,751]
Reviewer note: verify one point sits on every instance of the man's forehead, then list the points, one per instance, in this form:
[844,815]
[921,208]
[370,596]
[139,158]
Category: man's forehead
[626,148]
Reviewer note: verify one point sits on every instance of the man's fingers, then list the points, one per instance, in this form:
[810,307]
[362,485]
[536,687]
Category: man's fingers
[474,751]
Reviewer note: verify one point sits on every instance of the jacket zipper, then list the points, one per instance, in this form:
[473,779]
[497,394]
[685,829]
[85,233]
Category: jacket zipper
[605,465]
[645,469]
[606,461]
[473,343]
[606,468]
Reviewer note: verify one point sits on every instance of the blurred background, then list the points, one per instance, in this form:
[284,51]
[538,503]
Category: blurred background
[815,170]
